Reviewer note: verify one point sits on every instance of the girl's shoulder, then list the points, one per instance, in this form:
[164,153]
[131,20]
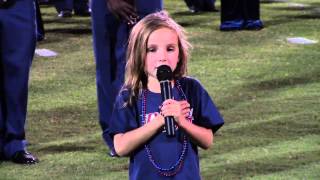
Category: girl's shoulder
[190,82]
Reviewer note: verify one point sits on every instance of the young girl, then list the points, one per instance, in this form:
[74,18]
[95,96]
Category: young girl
[137,123]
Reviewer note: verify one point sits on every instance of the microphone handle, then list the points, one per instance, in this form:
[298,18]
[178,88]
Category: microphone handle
[169,126]
[166,93]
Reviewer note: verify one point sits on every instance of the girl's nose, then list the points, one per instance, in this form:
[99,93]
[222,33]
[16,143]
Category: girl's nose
[163,56]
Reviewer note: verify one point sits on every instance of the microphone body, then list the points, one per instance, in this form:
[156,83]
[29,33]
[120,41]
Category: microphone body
[166,93]
[164,75]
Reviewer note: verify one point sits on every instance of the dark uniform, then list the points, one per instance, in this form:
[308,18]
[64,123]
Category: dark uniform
[110,37]
[39,23]
[80,7]
[200,5]
[17,45]
[240,14]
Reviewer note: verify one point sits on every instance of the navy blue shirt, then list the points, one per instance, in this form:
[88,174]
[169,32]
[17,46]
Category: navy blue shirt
[166,150]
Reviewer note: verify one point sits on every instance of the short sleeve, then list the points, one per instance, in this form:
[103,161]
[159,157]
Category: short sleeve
[205,112]
[124,117]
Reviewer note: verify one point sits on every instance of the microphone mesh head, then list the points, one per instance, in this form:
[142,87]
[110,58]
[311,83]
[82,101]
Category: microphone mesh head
[164,72]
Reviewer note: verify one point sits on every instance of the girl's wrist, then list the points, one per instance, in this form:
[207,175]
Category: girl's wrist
[159,121]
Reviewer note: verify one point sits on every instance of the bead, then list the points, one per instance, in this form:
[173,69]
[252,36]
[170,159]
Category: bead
[176,167]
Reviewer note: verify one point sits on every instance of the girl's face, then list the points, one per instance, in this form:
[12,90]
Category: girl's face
[162,49]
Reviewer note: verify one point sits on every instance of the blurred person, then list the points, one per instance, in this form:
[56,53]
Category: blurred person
[201,5]
[111,24]
[39,23]
[240,14]
[65,8]
[17,45]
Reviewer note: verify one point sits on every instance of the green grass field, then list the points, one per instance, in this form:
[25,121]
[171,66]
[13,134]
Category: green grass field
[266,89]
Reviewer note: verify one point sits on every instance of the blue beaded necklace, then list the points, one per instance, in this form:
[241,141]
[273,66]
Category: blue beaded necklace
[176,167]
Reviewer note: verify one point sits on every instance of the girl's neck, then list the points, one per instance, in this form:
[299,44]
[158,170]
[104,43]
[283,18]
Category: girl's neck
[154,85]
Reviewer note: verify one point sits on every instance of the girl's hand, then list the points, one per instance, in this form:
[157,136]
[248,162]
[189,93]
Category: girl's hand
[185,106]
[159,119]
[178,109]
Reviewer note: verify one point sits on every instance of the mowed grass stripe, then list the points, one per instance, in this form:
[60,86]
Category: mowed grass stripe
[274,158]
[308,171]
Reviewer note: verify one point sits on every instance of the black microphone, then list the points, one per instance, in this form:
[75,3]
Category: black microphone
[164,75]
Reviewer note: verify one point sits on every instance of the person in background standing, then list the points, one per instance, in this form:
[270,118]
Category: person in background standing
[240,14]
[17,45]
[65,7]
[201,5]
[111,24]
[39,23]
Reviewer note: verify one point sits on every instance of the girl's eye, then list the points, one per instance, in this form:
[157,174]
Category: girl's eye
[171,48]
[151,49]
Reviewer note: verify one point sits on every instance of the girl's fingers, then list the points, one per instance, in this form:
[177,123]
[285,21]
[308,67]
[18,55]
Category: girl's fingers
[186,111]
[168,101]
[184,104]
[175,108]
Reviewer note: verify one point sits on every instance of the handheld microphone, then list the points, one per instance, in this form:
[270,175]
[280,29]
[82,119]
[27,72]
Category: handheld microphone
[164,75]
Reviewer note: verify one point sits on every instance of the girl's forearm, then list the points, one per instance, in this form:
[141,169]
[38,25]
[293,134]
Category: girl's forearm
[201,136]
[125,143]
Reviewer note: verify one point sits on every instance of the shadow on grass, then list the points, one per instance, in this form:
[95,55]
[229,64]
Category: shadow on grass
[308,16]
[187,24]
[68,21]
[261,88]
[264,166]
[65,29]
[312,11]
[75,31]
[59,123]
[298,7]
[293,8]
[277,21]
[65,148]
[285,82]
[49,40]
[183,13]
[309,11]
[291,18]
[188,13]
[269,132]
[272,1]
[196,21]
[284,19]
[273,121]
[48,14]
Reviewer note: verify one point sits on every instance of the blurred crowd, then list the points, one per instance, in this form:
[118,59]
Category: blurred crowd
[235,14]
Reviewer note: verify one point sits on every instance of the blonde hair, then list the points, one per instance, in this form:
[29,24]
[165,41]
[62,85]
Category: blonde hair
[135,77]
